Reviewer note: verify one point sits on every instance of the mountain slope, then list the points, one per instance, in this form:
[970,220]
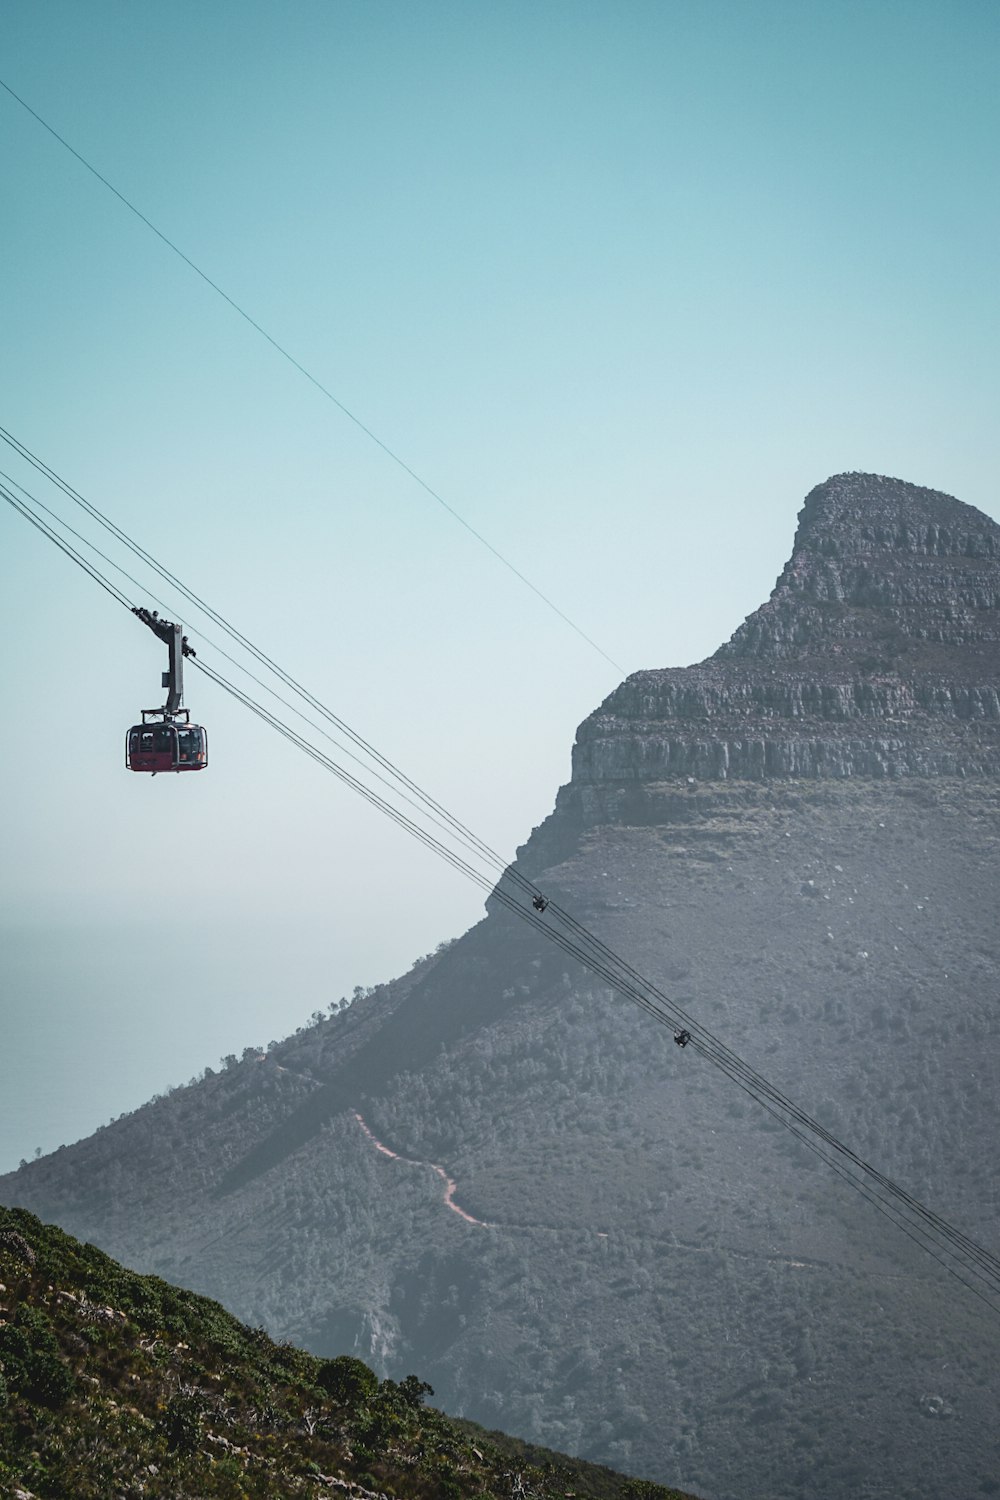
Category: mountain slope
[119,1384]
[798,838]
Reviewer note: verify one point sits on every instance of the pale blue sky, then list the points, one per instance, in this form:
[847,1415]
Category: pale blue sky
[621,281]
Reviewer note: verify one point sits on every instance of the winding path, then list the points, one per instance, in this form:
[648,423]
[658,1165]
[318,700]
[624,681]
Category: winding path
[450,1186]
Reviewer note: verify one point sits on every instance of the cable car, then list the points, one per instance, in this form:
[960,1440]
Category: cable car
[170,745]
[166,740]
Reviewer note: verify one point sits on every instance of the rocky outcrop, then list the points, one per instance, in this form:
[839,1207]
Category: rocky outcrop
[877,655]
[878,563]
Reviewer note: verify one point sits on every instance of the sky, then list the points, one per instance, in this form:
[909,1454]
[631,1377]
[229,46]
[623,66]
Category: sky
[620,282]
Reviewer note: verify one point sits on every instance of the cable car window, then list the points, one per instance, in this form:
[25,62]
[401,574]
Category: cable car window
[164,739]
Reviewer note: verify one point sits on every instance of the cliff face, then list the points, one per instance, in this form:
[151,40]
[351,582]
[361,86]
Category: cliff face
[883,576]
[876,656]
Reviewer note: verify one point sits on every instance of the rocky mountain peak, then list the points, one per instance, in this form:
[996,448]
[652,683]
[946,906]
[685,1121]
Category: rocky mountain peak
[875,656]
[879,565]
[873,512]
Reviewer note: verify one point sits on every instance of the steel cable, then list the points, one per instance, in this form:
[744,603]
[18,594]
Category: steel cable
[318,384]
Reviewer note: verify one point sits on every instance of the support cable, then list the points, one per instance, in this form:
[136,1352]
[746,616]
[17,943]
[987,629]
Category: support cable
[239,638]
[70,551]
[318,384]
[34,500]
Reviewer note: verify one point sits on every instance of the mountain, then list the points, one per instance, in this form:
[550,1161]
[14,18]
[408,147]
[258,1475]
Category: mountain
[118,1384]
[497,1172]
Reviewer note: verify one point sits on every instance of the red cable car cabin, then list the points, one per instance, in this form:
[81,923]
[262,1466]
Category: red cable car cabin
[166,746]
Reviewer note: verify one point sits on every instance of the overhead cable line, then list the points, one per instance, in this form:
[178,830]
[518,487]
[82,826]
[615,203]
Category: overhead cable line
[326,761]
[78,557]
[435,808]
[65,547]
[33,500]
[260,656]
[313,380]
[952,1249]
[271,719]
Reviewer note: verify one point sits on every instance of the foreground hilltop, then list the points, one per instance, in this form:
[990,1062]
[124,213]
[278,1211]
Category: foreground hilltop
[113,1384]
[496,1172]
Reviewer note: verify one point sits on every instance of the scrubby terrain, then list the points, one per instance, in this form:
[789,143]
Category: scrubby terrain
[119,1385]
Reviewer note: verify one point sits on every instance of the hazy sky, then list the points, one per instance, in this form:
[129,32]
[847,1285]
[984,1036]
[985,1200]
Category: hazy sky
[621,281]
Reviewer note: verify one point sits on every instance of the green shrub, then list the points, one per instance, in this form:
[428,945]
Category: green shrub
[347,1381]
[182,1422]
[32,1361]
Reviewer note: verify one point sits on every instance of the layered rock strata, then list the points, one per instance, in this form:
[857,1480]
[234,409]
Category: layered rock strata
[875,656]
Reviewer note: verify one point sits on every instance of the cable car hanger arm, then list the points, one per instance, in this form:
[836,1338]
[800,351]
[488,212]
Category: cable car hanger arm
[177,645]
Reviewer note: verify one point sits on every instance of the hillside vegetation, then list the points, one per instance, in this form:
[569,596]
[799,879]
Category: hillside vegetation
[115,1386]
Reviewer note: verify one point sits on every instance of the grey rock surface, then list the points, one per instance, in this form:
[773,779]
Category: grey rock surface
[877,656]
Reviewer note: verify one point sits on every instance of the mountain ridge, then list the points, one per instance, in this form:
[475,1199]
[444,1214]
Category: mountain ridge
[876,656]
[798,837]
